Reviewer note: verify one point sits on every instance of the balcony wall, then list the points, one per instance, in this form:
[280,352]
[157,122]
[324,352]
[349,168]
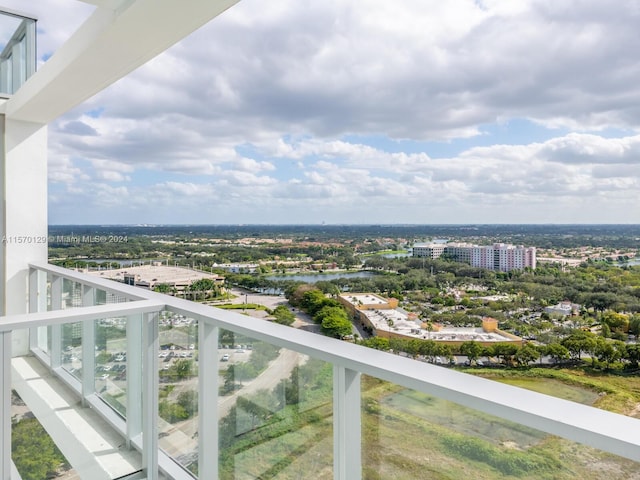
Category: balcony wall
[176,389]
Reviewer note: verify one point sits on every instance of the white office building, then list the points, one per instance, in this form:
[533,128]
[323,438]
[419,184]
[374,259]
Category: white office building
[501,257]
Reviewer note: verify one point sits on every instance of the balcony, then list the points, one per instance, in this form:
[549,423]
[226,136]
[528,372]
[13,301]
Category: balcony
[134,384]
[18,50]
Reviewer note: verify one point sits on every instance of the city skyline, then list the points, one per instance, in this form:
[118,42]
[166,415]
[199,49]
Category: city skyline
[416,112]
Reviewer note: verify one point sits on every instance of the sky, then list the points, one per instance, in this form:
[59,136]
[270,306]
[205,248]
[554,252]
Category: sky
[352,112]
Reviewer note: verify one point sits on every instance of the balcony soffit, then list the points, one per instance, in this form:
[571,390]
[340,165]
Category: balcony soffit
[109,4]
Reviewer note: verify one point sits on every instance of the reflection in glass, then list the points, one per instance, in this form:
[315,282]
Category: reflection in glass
[111,362]
[276,412]
[408,434]
[178,393]
[71,294]
[71,359]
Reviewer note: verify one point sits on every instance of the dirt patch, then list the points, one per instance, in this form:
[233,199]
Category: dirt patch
[635,413]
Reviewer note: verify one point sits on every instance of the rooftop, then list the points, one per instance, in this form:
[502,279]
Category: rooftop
[155,274]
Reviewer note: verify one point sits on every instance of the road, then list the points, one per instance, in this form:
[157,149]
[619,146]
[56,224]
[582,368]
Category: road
[179,439]
[278,370]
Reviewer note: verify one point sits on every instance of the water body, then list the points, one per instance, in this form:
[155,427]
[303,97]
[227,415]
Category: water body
[630,263]
[397,255]
[317,277]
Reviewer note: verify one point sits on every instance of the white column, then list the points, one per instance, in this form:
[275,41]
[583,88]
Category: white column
[347,441]
[23,225]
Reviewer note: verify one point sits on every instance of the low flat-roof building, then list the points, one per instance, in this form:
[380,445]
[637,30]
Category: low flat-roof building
[386,320]
[149,276]
[563,308]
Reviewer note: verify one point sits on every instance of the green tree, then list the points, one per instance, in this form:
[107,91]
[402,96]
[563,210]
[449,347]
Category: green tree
[633,354]
[334,322]
[617,322]
[579,342]
[283,315]
[35,455]
[162,288]
[181,369]
[634,325]
[557,352]
[229,380]
[188,400]
[473,350]
[172,412]
[379,343]
[608,351]
[505,351]
[527,354]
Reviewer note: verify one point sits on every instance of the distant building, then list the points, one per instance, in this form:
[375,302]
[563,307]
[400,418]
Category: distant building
[501,257]
[149,276]
[565,308]
[386,320]
[237,267]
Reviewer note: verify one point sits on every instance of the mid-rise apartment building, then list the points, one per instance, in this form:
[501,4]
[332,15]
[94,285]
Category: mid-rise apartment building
[499,256]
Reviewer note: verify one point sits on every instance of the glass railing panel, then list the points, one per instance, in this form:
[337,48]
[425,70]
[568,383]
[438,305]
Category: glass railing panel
[49,292]
[71,359]
[42,339]
[71,294]
[111,362]
[275,410]
[17,51]
[103,297]
[407,434]
[178,392]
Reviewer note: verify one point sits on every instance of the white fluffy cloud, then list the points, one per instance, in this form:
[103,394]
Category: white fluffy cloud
[309,111]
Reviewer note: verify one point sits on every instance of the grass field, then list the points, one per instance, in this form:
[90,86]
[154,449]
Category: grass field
[408,435]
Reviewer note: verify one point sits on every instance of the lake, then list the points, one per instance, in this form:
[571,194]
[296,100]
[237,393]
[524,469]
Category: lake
[396,255]
[630,263]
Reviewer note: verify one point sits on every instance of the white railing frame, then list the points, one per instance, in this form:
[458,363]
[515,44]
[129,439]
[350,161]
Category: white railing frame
[604,430]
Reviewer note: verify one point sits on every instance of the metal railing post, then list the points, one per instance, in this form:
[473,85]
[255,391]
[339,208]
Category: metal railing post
[208,384]
[5,407]
[134,377]
[56,330]
[88,346]
[347,430]
[150,385]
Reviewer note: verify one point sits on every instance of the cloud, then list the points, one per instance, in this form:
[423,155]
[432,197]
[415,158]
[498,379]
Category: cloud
[339,111]
[78,128]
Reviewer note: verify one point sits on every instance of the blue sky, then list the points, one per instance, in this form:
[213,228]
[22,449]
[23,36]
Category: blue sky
[415,111]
